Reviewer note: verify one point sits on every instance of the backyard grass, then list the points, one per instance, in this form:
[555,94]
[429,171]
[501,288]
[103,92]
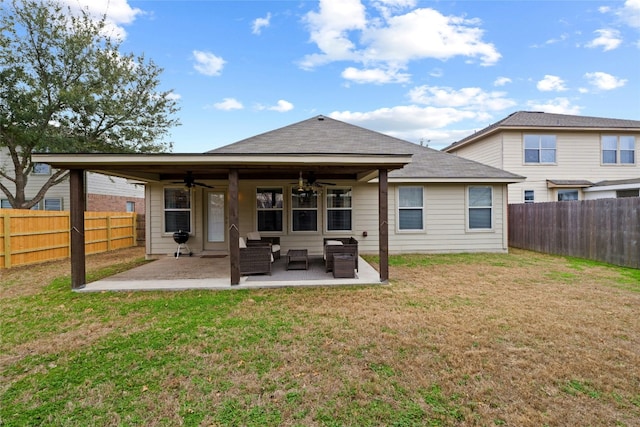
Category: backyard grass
[522,339]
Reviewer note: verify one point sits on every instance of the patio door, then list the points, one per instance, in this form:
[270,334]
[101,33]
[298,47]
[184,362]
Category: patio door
[216,221]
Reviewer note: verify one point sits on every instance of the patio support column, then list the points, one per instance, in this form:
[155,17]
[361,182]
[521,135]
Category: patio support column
[383,217]
[234,224]
[77,198]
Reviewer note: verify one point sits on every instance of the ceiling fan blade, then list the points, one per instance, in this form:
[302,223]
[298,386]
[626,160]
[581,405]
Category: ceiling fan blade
[203,185]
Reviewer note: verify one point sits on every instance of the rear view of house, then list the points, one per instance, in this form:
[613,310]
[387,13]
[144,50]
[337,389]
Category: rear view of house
[563,157]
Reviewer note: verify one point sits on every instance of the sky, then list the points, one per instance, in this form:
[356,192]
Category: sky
[429,72]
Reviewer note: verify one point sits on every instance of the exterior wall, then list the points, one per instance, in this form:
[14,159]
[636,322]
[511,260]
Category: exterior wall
[578,157]
[98,186]
[488,151]
[445,213]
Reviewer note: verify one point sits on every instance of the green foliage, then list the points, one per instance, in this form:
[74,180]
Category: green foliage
[66,87]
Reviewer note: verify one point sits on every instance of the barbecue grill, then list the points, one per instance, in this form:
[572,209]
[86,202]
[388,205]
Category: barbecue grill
[181,238]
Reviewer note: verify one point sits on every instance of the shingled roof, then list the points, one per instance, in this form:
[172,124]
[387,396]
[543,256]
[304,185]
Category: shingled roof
[323,135]
[541,120]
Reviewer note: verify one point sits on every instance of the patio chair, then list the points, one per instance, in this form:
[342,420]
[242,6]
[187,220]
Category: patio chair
[339,245]
[255,259]
[255,239]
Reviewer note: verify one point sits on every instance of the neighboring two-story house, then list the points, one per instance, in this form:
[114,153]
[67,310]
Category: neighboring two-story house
[102,192]
[563,157]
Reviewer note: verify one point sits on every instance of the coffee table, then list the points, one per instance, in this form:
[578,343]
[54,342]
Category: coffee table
[297,259]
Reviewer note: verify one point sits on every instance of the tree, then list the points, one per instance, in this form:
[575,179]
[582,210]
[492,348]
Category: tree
[65,87]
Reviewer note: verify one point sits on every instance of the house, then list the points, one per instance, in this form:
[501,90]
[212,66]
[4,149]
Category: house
[103,192]
[308,181]
[564,157]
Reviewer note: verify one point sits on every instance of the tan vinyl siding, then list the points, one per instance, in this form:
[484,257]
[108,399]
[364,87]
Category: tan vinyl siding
[445,230]
[578,157]
[487,151]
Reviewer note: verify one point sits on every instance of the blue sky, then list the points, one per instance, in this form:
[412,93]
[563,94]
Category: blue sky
[430,71]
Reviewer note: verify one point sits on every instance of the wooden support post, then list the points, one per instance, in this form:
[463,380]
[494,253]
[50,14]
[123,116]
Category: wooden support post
[234,230]
[78,259]
[383,217]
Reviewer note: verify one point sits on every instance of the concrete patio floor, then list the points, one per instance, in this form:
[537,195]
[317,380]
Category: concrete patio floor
[212,272]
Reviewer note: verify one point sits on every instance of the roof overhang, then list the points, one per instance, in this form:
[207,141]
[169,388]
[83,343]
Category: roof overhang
[159,167]
[458,180]
[568,183]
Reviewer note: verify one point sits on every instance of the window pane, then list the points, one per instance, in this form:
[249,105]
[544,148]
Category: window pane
[410,219]
[627,157]
[548,156]
[176,221]
[269,198]
[131,206]
[609,143]
[339,198]
[479,196]
[176,198]
[305,220]
[304,200]
[339,220]
[548,141]
[270,220]
[4,204]
[480,218]
[528,196]
[531,141]
[565,195]
[532,156]
[608,156]
[41,169]
[410,197]
[52,204]
[627,143]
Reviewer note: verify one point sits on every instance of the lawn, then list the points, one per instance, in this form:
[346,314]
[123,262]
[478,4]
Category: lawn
[523,339]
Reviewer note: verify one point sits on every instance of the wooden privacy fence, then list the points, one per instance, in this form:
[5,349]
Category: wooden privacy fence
[605,230]
[29,237]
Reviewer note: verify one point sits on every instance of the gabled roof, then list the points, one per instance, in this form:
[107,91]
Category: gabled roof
[540,120]
[323,135]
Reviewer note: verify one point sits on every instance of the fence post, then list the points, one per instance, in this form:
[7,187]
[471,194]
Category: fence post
[7,239]
[108,233]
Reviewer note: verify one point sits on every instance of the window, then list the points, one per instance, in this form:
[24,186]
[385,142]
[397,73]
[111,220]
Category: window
[4,204]
[618,150]
[304,211]
[269,206]
[177,210]
[338,209]
[480,205]
[41,169]
[410,208]
[131,206]
[529,196]
[52,204]
[567,195]
[627,193]
[539,148]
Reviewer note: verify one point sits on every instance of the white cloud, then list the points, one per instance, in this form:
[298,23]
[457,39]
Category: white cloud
[374,75]
[343,30]
[228,104]
[260,23]
[466,98]
[604,81]
[501,81]
[118,13]
[556,105]
[608,39]
[551,83]
[207,63]
[174,96]
[281,107]
[630,13]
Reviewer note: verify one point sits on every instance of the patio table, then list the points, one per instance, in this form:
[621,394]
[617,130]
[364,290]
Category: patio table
[297,259]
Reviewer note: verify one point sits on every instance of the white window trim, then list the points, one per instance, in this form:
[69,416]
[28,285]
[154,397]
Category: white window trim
[524,196]
[291,209]
[468,207]
[424,211]
[618,161]
[191,210]
[47,173]
[59,199]
[327,209]
[539,163]
[283,209]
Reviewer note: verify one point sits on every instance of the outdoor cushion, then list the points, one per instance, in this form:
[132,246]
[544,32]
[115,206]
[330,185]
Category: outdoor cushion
[253,235]
[332,243]
[243,244]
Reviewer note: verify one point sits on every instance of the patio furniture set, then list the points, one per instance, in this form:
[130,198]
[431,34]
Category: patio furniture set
[257,254]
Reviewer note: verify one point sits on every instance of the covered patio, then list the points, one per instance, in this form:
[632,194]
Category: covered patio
[211,271]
